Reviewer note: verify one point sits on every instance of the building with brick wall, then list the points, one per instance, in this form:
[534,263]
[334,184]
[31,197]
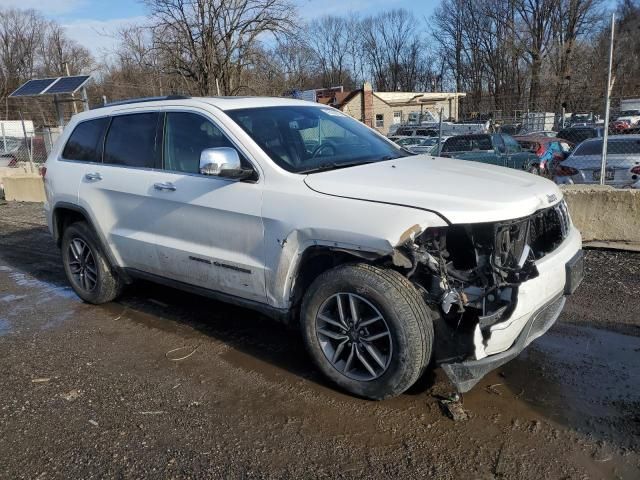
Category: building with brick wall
[380,110]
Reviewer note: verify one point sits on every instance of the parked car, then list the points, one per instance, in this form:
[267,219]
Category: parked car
[430,147]
[388,262]
[416,140]
[627,121]
[578,134]
[18,150]
[542,133]
[582,119]
[9,147]
[510,129]
[496,149]
[415,130]
[584,164]
[549,150]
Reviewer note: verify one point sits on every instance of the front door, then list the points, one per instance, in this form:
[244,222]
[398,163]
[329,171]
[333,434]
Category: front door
[210,231]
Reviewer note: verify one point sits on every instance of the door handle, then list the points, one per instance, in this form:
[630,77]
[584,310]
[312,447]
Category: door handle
[93,176]
[165,186]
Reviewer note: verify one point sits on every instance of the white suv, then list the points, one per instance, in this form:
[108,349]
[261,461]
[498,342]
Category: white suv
[387,261]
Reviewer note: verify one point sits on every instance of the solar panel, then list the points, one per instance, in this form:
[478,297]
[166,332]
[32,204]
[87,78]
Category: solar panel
[66,85]
[33,87]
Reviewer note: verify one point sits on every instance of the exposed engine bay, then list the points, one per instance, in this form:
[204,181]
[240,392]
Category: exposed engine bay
[472,272]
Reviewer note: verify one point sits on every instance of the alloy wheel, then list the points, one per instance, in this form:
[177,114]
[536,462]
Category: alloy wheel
[354,336]
[82,265]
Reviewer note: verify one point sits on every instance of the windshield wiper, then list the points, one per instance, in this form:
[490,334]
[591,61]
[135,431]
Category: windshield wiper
[333,166]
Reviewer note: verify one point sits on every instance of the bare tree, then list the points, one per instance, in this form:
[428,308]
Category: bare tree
[21,35]
[210,41]
[59,53]
[573,20]
[393,49]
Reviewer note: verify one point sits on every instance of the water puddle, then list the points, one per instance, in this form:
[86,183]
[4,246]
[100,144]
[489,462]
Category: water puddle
[11,298]
[5,326]
[27,281]
[583,377]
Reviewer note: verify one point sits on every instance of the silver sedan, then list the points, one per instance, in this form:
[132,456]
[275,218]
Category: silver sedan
[583,166]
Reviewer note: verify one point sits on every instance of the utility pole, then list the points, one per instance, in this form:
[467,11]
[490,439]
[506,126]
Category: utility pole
[440,132]
[75,108]
[605,137]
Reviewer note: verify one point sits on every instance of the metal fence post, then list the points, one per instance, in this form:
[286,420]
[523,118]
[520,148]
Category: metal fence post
[605,137]
[4,138]
[440,132]
[26,142]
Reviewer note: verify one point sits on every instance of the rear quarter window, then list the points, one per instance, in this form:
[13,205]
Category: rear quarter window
[85,142]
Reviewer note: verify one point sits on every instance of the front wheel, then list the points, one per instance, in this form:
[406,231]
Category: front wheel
[367,329]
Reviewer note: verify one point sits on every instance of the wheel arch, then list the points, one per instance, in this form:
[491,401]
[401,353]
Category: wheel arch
[65,214]
[317,259]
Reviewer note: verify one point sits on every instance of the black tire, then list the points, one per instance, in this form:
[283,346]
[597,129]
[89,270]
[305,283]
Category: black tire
[407,317]
[107,285]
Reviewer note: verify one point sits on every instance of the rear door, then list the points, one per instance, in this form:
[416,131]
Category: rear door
[82,152]
[118,192]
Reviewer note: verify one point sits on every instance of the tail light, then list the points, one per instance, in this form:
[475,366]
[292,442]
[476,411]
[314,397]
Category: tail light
[564,171]
[636,170]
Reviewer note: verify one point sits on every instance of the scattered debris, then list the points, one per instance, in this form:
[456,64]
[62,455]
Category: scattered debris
[121,314]
[493,389]
[159,412]
[180,349]
[71,395]
[497,468]
[452,407]
[40,380]
[93,422]
[535,426]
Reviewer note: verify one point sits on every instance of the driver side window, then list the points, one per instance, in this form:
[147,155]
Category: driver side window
[186,135]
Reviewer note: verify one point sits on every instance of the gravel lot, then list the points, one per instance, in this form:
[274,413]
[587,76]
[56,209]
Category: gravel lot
[91,391]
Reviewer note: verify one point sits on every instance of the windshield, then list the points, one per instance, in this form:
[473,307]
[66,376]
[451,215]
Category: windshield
[614,147]
[630,113]
[307,139]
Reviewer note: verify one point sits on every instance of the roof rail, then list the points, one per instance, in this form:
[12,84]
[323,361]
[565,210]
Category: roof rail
[142,99]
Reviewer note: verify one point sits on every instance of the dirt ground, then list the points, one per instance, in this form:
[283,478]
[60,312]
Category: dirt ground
[100,392]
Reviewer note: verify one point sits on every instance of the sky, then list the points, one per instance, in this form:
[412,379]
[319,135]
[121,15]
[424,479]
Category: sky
[93,22]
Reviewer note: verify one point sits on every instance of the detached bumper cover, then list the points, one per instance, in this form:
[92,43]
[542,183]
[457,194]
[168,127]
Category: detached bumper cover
[465,375]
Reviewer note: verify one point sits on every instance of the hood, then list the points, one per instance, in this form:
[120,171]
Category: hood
[460,191]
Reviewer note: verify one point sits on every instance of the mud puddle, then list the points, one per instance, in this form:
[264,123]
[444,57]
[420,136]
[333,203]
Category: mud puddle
[585,378]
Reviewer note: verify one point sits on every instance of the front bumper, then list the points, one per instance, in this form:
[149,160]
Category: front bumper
[465,375]
[539,304]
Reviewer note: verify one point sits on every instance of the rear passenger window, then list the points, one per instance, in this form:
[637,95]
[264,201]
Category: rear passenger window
[85,143]
[132,141]
[186,136]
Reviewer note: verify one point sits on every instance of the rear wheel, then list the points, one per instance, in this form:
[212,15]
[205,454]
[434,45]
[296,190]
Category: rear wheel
[86,266]
[367,329]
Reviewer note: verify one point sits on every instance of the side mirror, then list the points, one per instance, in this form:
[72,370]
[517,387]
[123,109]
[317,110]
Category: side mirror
[223,162]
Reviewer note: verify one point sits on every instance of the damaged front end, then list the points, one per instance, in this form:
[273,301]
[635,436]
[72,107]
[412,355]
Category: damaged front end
[471,274]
